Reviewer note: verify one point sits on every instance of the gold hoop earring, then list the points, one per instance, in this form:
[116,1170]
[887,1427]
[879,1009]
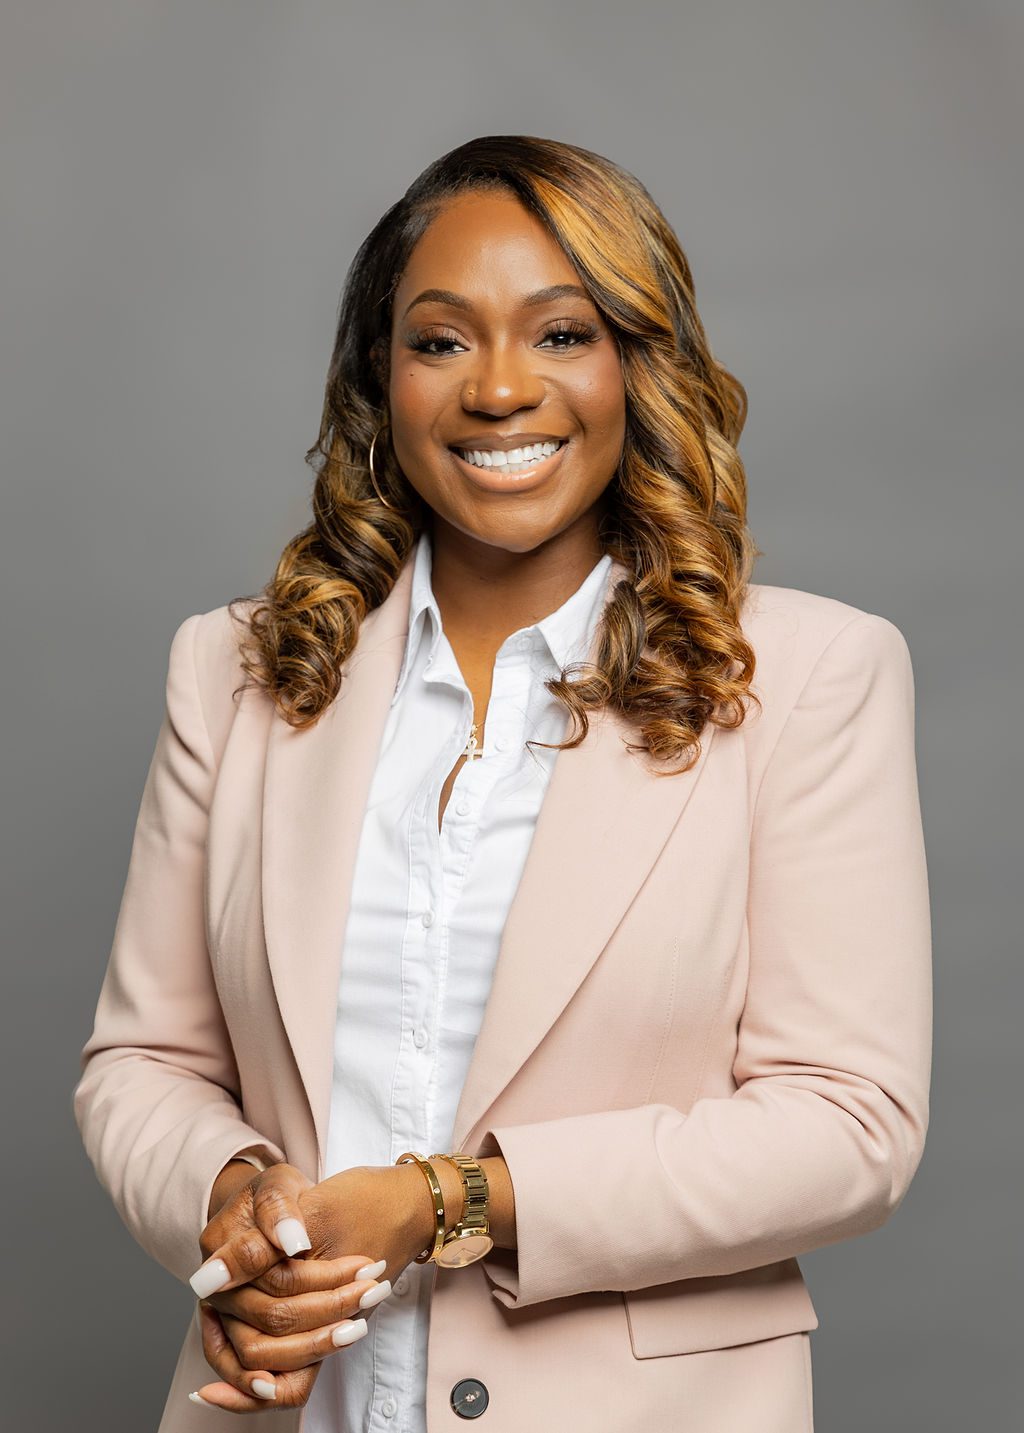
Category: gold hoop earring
[373,475]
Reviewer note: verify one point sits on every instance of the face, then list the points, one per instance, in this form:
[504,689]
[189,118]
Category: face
[496,364]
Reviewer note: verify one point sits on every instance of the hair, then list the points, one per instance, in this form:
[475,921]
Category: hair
[670,652]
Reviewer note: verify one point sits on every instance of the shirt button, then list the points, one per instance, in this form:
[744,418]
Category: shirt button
[501,742]
[401,1285]
[463,808]
[523,641]
[389,1407]
[419,1038]
[427,917]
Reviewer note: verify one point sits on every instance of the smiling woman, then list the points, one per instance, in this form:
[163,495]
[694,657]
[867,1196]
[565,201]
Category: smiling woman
[521,337]
[657,991]
[520,280]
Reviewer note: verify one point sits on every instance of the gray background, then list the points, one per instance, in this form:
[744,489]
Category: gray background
[183,187]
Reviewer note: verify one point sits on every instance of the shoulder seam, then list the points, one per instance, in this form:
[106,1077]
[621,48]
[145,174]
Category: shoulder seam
[860,616]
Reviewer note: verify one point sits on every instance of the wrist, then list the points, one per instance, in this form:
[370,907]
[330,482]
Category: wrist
[419,1201]
[235,1174]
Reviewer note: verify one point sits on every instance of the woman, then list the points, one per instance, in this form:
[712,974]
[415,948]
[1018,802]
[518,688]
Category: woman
[525,949]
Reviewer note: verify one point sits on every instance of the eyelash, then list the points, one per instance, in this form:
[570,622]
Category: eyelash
[584,331]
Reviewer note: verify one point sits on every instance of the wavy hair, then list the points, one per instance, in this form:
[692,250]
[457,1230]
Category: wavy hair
[670,652]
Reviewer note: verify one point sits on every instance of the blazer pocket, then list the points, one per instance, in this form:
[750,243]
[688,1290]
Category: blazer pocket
[692,1315]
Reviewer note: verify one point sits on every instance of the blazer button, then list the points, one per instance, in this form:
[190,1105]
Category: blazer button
[469,1398]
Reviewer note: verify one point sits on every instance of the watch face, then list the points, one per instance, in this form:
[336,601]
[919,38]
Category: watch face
[464,1251]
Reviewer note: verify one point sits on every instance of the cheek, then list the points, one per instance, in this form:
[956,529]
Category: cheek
[417,400]
[599,398]
[416,396]
[406,397]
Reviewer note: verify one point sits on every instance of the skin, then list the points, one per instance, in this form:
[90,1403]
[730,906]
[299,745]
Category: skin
[501,561]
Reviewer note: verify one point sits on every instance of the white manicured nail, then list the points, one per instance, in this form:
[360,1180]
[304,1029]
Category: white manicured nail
[263,1389]
[376,1294]
[370,1271]
[348,1332]
[291,1236]
[198,1398]
[208,1278]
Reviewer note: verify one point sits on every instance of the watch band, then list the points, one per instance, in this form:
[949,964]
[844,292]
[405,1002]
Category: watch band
[475,1201]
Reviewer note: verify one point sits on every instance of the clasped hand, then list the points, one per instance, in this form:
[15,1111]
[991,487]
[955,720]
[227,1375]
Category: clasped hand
[275,1317]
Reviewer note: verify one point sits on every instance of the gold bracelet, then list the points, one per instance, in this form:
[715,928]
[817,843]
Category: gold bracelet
[427,1169]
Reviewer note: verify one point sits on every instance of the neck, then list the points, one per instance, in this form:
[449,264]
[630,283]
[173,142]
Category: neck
[486,592]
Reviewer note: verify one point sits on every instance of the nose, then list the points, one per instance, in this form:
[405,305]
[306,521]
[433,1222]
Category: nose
[502,381]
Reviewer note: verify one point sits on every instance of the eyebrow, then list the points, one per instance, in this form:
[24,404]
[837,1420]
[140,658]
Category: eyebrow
[539,296]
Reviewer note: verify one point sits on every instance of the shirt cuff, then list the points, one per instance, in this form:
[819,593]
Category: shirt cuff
[251,1157]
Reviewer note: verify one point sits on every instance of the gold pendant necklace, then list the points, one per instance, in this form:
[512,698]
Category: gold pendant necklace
[472,747]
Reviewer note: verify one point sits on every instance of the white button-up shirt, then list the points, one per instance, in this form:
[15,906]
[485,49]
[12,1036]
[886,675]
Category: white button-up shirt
[426,918]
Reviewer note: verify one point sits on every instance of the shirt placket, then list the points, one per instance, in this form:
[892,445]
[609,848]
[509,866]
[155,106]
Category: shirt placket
[437,868]
[400,1335]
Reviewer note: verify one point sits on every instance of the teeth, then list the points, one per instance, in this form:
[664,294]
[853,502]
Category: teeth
[517,459]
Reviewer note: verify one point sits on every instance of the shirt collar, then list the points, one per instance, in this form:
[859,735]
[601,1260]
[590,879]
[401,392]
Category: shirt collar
[424,613]
[562,637]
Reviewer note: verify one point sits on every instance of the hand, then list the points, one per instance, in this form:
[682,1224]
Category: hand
[251,1228]
[273,1332]
[387,1208]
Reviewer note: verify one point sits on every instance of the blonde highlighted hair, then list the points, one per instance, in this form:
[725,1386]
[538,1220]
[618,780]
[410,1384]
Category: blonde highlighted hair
[670,654]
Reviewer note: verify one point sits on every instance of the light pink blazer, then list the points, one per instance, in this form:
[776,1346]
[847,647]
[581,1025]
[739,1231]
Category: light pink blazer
[706,1050]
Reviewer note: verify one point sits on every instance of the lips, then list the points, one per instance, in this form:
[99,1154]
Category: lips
[519,458]
[503,442]
[498,478]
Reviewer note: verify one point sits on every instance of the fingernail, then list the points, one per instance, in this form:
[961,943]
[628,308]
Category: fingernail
[263,1389]
[198,1398]
[348,1332]
[376,1294]
[210,1277]
[291,1236]
[371,1271]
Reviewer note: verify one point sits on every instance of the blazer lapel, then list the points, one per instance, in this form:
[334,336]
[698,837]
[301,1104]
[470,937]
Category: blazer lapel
[316,788]
[579,879]
[603,823]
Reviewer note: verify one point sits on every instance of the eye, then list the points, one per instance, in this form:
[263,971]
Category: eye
[574,329]
[440,343]
[428,343]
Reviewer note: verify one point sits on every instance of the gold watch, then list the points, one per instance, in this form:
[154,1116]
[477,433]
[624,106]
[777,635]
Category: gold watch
[469,1239]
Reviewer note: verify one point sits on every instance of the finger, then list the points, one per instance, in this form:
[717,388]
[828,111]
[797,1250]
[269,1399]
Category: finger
[242,1390]
[249,1236]
[307,1276]
[300,1312]
[254,1352]
[275,1201]
[293,1390]
[245,1255]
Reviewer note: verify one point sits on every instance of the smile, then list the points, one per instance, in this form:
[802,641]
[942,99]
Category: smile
[499,470]
[511,461]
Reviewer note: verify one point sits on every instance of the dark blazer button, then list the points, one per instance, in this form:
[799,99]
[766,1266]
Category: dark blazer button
[469,1397]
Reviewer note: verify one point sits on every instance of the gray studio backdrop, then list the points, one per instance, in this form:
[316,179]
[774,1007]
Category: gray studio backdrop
[183,187]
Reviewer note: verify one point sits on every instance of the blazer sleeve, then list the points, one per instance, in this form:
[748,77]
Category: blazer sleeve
[158,1101]
[821,1138]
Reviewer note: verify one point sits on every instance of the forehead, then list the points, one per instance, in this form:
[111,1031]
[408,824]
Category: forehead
[485,246]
